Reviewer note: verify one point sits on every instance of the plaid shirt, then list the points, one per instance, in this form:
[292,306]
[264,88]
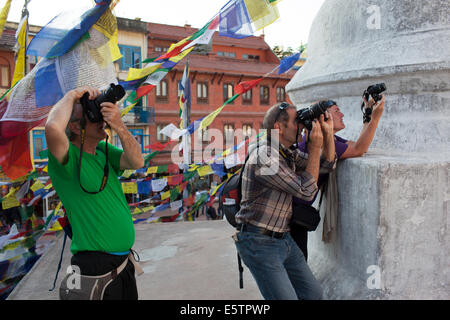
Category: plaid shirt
[270,182]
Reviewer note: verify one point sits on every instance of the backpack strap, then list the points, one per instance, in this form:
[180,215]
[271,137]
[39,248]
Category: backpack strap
[241,271]
[60,262]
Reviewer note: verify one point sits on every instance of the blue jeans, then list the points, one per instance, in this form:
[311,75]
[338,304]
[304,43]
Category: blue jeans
[278,266]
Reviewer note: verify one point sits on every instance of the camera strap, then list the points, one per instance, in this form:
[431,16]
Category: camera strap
[105,169]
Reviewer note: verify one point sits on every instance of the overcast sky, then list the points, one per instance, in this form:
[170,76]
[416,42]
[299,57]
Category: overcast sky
[290,30]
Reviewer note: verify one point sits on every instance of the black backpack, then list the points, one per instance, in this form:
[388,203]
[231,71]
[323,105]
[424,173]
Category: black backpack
[233,183]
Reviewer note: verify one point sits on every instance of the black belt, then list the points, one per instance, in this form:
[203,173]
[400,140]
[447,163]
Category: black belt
[265,232]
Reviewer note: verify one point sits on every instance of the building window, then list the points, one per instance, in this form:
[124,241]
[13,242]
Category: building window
[160,49]
[250,57]
[4,76]
[161,90]
[247,97]
[131,57]
[264,95]
[159,136]
[202,92]
[226,54]
[39,143]
[281,94]
[203,135]
[227,91]
[247,130]
[228,132]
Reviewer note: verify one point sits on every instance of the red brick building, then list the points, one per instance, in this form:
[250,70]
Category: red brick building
[214,75]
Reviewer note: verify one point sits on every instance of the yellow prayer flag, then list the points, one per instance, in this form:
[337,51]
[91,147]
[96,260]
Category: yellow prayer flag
[11,192]
[56,227]
[37,186]
[47,187]
[205,170]
[127,173]
[134,73]
[153,169]
[261,13]
[58,207]
[124,111]
[181,55]
[210,117]
[165,195]
[10,202]
[137,210]
[129,187]
[4,15]
[21,36]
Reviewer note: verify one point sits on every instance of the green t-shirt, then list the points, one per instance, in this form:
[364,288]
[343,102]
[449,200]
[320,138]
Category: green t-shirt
[102,221]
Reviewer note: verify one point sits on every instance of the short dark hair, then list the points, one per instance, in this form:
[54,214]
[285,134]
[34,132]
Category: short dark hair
[274,114]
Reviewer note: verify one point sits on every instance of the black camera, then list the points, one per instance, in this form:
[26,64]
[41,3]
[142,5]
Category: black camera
[307,115]
[92,107]
[373,91]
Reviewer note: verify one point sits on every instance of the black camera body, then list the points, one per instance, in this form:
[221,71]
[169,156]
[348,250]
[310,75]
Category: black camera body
[307,115]
[373,91]
[92,107]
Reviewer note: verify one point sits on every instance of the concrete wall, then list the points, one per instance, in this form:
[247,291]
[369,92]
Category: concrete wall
[393,202]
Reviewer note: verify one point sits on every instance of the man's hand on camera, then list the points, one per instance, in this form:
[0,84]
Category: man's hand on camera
[111,115]
[327,126]
[378,107]
[315,136]
[77,93]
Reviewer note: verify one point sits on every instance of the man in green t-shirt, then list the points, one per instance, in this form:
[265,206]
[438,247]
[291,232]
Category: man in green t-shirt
[102,227]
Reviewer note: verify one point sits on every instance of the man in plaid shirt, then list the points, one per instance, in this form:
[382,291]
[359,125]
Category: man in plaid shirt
[274,174]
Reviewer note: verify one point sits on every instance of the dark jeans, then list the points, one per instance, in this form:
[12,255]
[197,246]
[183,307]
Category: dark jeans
[278,266]
[300,236]
[95,263]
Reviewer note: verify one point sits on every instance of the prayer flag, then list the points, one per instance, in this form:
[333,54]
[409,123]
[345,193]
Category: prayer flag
[21,45]
[4,15]
[245,86]
[241,18]
[288,62]
[185,96]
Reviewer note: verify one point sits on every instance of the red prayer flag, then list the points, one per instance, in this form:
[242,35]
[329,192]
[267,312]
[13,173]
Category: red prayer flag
[175,180]
[15,157]
[243,87]
[144,90]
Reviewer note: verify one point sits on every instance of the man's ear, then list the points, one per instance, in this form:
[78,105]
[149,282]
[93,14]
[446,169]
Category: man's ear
[75,127]
[276,125]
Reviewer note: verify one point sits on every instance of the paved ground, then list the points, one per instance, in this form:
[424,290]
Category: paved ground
[182,261]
